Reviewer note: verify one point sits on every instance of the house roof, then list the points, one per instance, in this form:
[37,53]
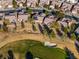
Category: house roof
[49,19]
[66,6]
[77,30]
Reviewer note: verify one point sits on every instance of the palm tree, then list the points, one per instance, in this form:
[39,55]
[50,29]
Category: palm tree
[34,27]
[58,29]
[73,36]
[55,25]
[1,56]
[16,15]
[22,24]
[43,31]
[25,4]
[48,32]
[10,54]
[29,10]
[31,21]
[30,18]
[50,2]
[5,26]
[28,55]
[37,4]
[46,6]
[14,3]
[40,28]
[60,15]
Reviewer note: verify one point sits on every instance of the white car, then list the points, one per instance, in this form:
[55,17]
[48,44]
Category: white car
[49,44]
[10,6]
[0,6]
[36,58]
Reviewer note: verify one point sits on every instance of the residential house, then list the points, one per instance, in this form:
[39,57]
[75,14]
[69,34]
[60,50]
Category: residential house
[18,1]
[43,2]
[55,4]
[1,24]
[72,1]
[31,3]
[64,22]
[49,19]
[75,9]
[67,21]
[39,19]
[66,7]
[11,18]
[77,30]
[23,17]
[58,3]
[1,15]
[6,4]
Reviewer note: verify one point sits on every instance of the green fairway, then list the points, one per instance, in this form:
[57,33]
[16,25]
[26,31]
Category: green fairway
[36,48]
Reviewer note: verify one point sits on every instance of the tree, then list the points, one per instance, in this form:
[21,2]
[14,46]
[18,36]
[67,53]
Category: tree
[34,27]
[22,24]
[30,20]
[52,34]
[73,37]
[59,33]
[55,25]
[40,28]
[28,55]
[56,7]
[46,6]
[44,18]
[25,4]
[60,15]
[10,54]
[69,35]
[46,12]
[50,3]
[37,4]
[28,10]
[65,30]
[1,56]
[14,3]
[5,26]
[72,27]
[47,31]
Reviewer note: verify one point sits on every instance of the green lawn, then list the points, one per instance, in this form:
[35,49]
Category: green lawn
[36,48]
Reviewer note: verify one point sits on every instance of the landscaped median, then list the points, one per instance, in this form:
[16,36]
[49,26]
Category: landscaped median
[36,48]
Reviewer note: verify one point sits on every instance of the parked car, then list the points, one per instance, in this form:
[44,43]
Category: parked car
[50,44]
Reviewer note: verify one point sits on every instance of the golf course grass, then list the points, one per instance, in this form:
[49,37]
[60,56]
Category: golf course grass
[36,48]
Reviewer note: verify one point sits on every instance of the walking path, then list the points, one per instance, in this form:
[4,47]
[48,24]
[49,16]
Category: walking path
[11,37]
